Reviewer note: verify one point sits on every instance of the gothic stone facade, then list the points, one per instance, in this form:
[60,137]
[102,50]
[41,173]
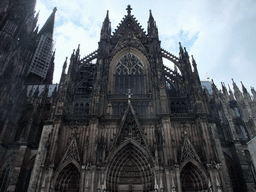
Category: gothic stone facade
[120,120]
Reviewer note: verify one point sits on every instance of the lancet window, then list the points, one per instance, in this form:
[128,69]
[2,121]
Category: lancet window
[129,75]
[81,108]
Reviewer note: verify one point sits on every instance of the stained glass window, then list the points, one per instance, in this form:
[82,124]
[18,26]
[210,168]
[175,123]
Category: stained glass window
[129,75]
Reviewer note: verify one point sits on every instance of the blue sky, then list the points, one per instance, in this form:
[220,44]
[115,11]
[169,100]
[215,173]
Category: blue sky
[220,34]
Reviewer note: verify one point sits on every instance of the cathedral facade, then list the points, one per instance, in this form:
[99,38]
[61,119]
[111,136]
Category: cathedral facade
[119,119]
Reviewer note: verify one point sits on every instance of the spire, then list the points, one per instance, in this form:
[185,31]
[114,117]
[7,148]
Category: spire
[224,89]
[194,64]
[36,18]
[78,52]
[214,88]
[181,51]
[231,95]
[106,28]
[151,18]
[243,87]
[64,65]
[49,24]
[237,91]
[185,52]
[37,15]
[253,93]
[152,28]
[64,69]
[107,17]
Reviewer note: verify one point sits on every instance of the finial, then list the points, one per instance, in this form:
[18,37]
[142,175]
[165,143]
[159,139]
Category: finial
[107,16]
[54,9]
[150,15]
[78,49]
[181,51]
[129,9]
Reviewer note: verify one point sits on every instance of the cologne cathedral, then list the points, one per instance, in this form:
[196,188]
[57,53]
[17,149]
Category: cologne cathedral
[119,120]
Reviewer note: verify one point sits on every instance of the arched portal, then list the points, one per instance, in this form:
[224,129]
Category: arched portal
[68,179]
[130,170]
[193,178]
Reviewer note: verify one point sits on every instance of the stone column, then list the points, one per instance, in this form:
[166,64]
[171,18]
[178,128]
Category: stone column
[82,180]
[212,177]
[177,171]
[47,180]
[93,173]
[168,179]
[17,162]
[40,158]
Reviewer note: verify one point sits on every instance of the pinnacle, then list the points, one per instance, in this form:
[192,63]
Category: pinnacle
[243,87]
[107,17]
[151,18]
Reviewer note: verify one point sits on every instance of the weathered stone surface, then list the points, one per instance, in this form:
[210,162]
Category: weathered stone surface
[120,120]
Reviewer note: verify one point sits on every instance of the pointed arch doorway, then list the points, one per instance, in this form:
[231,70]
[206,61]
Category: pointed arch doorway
[68,179]
[193,178]
[130,170]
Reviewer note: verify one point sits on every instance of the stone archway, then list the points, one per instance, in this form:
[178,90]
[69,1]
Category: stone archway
[193,178]
[130,170]
[68,179]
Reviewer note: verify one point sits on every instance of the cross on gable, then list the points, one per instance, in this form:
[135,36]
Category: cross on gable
[129,9]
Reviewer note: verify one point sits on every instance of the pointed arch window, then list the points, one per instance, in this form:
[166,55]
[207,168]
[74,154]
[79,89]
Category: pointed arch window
[129,74]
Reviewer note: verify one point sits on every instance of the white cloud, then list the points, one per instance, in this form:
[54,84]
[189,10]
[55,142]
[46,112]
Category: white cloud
[225,31]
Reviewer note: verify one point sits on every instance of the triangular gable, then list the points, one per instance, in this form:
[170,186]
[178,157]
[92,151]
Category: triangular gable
[129,22]
[72,153]
[130,127]
[188,151]
[129,39]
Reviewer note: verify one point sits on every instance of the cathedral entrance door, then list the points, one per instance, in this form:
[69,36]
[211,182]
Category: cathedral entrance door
[130,178]
[130,170]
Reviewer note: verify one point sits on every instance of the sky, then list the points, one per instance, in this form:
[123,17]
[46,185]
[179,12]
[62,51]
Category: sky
[220,34]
